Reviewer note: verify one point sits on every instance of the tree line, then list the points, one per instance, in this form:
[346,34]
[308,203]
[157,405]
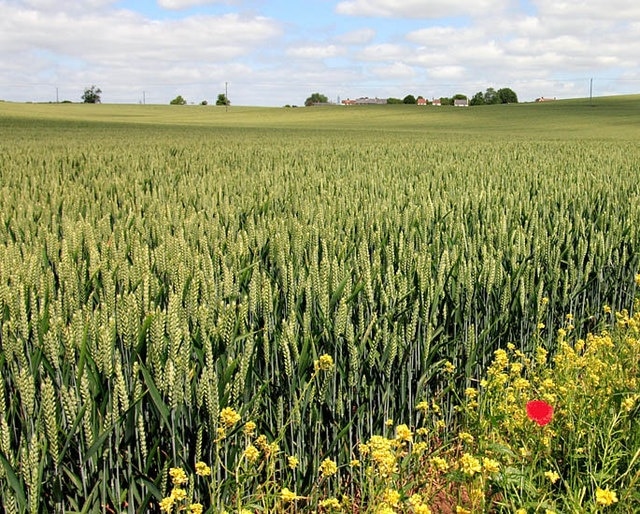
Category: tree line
[490,96]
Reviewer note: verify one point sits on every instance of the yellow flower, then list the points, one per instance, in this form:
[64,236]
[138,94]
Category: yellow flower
[421,509]
[449,367]
[324,363]
[605,497]
[552,476]
[331,504]
[521,511]
[606,309]
[355,463]
[637,279]
[490,465]
[423,406]
[440,464]
[328,468]
[249,428]
[471,393]
[389,422]
[178,476]
[178,494]
[403,433]
[229,417]
[465,437]
[462,510]
[202,469]
[385,509]
[292,462]
[420,448]
[251,453]
[391,497]
[469,464]
[288,496]
[196,508]
[166,504]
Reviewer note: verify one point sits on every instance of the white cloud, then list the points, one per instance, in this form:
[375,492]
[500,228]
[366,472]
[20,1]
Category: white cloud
[177,5]
[418,8]
[395,71]
[316,51]
[357,37]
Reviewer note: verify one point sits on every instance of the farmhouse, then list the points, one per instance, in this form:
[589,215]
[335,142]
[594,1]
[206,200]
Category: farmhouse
[461,102]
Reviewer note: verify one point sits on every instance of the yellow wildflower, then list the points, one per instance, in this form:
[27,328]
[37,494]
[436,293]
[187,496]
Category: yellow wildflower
[229,417]
[637,279]
[606,309]
[251,453]
[469,464]
[355,463]
[423,406]
[166,504]
[389,422]
[328,468]
[462,510]
[605,497]
[178,476]
[465,437]
[391,497]
[403,433]
[440,464]
[196,508]
[202,469]
[249,428]
[420,448]
[292,462]
[288,495]
[490,465]
[471,393]
[552,476]
[421,509]
[449,367]
[178,494]
[324,363]
[331,504]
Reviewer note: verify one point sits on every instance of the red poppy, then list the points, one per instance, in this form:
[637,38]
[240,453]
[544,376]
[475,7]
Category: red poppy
[540,412]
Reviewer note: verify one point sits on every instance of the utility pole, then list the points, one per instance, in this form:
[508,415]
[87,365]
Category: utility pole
[591,91]
[57,99]
[144,98]
[226,97]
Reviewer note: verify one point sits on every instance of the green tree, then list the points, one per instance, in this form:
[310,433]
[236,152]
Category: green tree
[477,99]
[507,96]
[316,98]
[491,96]
[222,100]
[409,99]
[178,100]
[392,100]
[91,95]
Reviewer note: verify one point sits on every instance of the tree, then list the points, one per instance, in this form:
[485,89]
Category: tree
[507,96]
[204,102]
[222,100]
[491,96]
[316,98]
[393,101]
[91,95]
[178,100]
[477,99]
[409,99]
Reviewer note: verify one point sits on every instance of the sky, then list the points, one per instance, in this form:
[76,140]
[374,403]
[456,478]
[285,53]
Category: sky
[279,52]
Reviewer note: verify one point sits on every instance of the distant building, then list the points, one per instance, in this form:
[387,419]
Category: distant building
[545,99]
[461,102]
[436,101]
[422,101]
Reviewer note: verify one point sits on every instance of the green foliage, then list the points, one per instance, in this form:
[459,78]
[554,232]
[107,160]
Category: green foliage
[222,100]
[507,96]
[394,101]
[92,95]
[409,99]
[151,275]
[178,100]
[316,98]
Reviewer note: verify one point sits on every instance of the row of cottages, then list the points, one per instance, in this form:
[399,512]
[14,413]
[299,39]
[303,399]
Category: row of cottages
[365,101]
[436,101]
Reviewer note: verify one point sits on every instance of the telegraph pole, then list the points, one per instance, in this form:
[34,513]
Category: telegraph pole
[591,91]
[226,97]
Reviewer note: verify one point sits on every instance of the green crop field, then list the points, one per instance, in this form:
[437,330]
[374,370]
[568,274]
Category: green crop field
[159,264]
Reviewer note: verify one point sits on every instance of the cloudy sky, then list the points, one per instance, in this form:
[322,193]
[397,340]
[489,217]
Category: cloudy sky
[277,52]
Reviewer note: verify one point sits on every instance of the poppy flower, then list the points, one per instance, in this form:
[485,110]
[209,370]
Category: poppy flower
[539,411]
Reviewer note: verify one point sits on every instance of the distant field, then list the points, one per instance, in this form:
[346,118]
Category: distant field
[160,263]
[610,118]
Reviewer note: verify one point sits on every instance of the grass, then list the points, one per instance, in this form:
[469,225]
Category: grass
[608,118]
